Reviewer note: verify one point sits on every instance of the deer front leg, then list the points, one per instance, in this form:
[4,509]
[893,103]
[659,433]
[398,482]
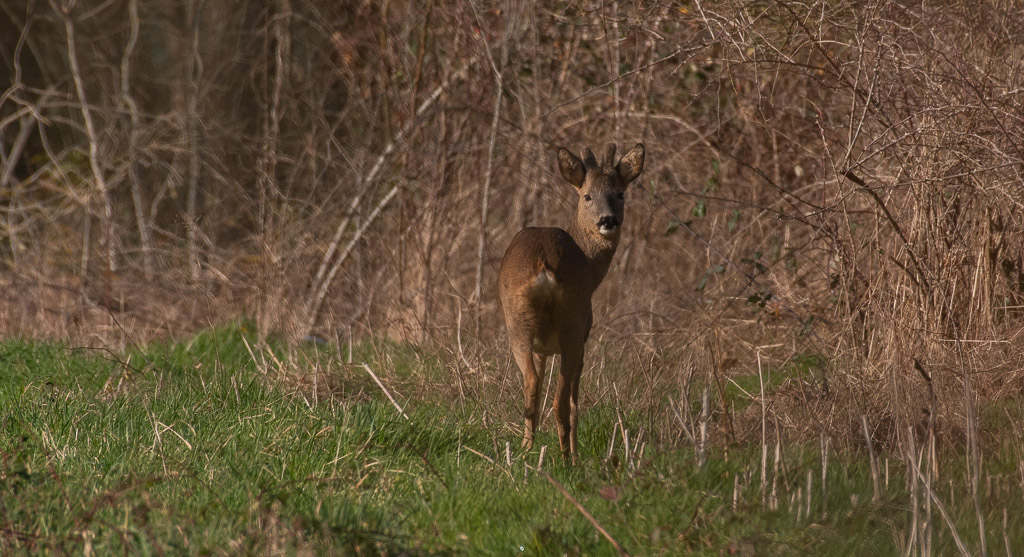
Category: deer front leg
[565,403]
[531,391]
[562,413]
[574,412]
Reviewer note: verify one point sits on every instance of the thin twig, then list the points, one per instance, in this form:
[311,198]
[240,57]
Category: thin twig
[386,392]
[876,493]
[587,515]
[145,236]
[328,266]
[916,473]
[92,135]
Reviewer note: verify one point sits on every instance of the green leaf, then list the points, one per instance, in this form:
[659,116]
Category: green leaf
[673,227]
[759,299]
[715,270]
[807,326]
[702,282]
[700,209]
[730,224]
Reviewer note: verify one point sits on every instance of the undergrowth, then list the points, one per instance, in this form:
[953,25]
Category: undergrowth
[206,447]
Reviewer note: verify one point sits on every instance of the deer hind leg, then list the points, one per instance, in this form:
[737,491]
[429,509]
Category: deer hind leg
[531,389]
[542,369]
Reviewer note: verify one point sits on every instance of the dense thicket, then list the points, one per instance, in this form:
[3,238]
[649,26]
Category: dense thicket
[836,184]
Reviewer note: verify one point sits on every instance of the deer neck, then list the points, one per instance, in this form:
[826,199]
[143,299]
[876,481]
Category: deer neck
[599,251]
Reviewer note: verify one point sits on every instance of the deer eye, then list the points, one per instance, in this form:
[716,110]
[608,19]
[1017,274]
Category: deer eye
[621,195]
[586,197]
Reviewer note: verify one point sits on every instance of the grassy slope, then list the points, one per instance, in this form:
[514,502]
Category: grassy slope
[199,453]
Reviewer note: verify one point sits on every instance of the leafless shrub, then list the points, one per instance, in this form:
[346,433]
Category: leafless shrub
[836,183]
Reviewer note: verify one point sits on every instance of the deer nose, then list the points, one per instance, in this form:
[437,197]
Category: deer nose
[608,222]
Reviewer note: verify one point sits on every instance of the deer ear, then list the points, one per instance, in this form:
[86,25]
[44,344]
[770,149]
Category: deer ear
[571,167]
[631,164]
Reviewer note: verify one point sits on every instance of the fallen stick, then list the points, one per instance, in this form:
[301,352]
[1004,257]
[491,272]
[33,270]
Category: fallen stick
[385,389]
[587,515]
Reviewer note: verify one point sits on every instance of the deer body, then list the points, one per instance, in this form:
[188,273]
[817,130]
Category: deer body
[548,277]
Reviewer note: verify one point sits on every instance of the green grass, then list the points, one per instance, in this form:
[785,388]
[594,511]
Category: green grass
[200,452]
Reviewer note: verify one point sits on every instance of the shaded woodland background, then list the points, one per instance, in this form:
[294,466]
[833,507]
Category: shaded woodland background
[834,187]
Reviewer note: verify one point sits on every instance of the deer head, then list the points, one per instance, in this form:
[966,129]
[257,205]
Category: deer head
[601,188]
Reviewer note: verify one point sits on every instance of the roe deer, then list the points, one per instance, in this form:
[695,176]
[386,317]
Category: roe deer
[548,277]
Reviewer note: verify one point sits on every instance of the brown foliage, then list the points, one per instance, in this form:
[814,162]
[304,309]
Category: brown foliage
[844,178]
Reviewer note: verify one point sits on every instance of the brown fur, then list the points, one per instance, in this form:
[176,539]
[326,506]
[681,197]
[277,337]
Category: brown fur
[547,279]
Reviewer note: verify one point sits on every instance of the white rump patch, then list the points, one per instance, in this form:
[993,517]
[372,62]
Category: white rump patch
[545,287]
[545,280]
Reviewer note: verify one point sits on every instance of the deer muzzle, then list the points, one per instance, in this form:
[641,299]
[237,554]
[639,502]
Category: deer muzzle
[608,225]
